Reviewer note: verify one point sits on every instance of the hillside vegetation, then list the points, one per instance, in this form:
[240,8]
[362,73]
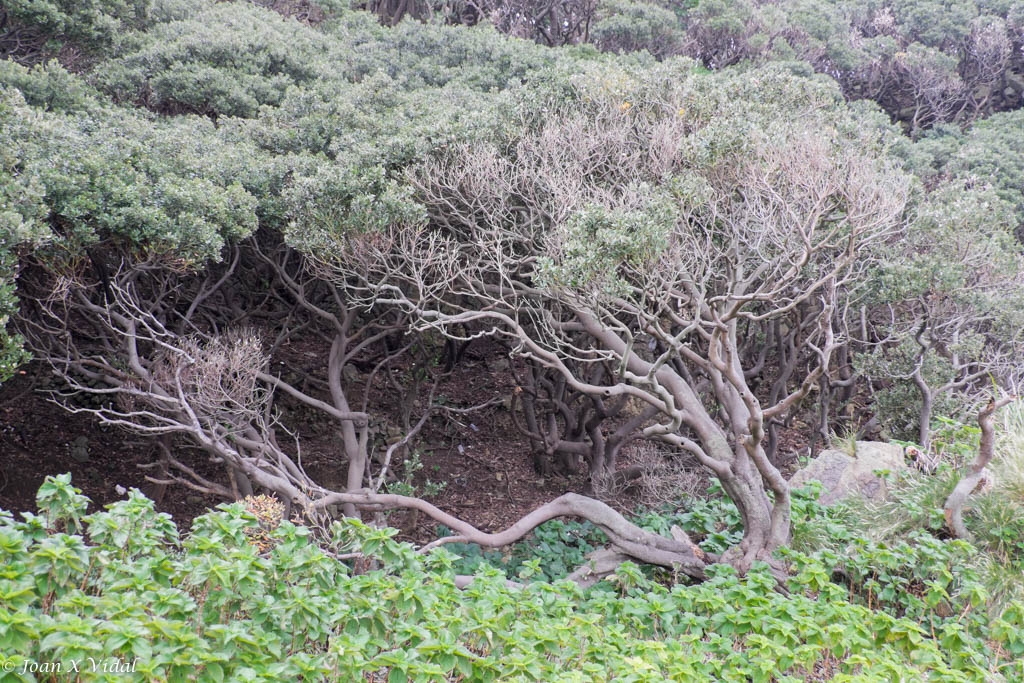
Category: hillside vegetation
[688,229]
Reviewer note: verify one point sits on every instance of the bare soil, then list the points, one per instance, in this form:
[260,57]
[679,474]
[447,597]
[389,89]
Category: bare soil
[482,466]
[40,438]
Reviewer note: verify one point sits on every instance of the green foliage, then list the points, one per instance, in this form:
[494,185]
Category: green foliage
[151,187]
[557,547]
[213,606]
[412,464]
[916,502]
[553,550]
[956,278]
[817,527]
[992,152]
[899,402]
[1000,528]
[347,201]
[995,515]
[892,558]
[910,577]
[550,553]
[1009,463]
[62,505]
[713,522]
[48,86]
[469,558]
[90,23]
[226,60]
[956,441]
[373,100]
[421,56]
[596,241]
[627,26]
[934,22]
[925,63]
[21,224]
[265,122]
[912,519]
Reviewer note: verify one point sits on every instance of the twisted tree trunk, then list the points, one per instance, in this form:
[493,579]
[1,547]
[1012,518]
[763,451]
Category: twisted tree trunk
[955,502]
[627,541]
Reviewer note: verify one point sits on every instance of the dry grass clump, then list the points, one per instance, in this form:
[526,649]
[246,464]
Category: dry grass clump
[1008,465]
[653,478]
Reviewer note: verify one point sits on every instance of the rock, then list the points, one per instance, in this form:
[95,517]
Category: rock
[1014,81]
[350,374]
[194,500]
[843,476]
[80,449]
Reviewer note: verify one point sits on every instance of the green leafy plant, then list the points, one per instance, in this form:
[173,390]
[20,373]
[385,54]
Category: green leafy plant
[220,604]
[712,521]
[405,487]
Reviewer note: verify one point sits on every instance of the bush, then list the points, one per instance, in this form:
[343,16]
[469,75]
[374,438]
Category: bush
[90,23]
[227,60]
[152,187]
[626,26]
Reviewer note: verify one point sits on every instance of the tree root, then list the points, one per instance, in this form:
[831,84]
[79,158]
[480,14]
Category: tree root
[626,540]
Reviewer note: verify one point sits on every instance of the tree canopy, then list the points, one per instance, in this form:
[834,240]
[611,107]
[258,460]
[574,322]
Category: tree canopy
[686,224]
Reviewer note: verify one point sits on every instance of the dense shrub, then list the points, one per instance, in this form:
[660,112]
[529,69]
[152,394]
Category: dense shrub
[93,23]
[227,60]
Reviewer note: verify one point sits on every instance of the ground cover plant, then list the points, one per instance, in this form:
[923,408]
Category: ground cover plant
[246,595]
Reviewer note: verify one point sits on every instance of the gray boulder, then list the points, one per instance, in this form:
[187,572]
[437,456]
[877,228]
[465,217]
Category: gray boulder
[843,476]
[80,449]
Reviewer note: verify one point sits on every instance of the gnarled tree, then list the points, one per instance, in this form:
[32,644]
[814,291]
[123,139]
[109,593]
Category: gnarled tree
[655,232]
[948,310]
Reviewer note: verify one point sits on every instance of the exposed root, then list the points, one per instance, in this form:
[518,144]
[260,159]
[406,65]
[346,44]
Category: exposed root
[626,539]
